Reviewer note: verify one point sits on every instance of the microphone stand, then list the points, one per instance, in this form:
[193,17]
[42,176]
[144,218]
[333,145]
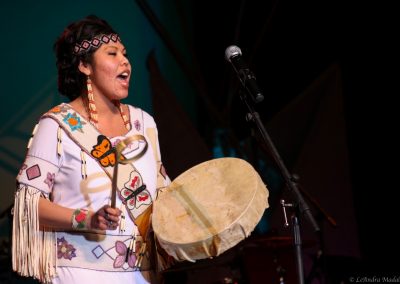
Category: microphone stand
[301,207]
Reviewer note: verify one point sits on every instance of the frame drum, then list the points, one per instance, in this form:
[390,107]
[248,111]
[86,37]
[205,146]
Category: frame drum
[209,208]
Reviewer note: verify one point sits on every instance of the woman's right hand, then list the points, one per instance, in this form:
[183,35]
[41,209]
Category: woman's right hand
[106,218]
[59,217]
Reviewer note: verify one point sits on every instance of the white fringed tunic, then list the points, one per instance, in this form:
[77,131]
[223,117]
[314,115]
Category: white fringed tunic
[56,167]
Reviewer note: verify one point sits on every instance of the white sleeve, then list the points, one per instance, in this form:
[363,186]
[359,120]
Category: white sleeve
[42,161]
[33,246]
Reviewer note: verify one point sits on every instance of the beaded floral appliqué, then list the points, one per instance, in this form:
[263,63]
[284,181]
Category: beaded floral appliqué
[74,122]
[64,249]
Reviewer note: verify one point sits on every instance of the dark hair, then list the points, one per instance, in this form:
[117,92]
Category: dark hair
[72,82]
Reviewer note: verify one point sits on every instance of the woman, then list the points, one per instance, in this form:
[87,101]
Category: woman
[68,225]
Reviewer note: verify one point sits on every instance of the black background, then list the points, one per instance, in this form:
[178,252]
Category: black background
[288,44]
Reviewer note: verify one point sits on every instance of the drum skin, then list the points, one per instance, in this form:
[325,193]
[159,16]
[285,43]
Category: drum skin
[209,208]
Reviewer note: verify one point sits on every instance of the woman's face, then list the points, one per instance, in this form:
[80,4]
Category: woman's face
[110,71]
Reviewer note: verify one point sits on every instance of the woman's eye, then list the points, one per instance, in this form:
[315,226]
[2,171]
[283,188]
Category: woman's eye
[112,53]
[126,55]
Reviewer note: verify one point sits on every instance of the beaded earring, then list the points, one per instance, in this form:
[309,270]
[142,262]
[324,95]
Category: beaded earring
[93,114]
[93,117]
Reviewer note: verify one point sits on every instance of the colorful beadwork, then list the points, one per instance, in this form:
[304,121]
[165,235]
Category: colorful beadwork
[93,117]
[50,179]
[64,249]
[96,42]
[79,219]
[74,122]
[33,172]
[93,114]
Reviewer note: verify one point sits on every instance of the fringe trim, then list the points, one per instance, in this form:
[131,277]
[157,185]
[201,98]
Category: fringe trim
[59,141]
[33,134]
[33,247]
[83,165]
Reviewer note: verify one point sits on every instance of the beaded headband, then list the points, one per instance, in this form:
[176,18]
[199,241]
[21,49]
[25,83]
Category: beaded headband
[96,42]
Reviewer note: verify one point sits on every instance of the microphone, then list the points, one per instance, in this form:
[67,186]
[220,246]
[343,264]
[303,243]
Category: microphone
[233,54]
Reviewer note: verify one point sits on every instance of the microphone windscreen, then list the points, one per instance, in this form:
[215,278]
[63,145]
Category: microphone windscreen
[232,51]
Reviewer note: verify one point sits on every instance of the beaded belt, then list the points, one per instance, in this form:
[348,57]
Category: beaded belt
[102,252]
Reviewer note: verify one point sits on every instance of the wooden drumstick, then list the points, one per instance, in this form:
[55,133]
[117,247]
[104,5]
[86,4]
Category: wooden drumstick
[114,185]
